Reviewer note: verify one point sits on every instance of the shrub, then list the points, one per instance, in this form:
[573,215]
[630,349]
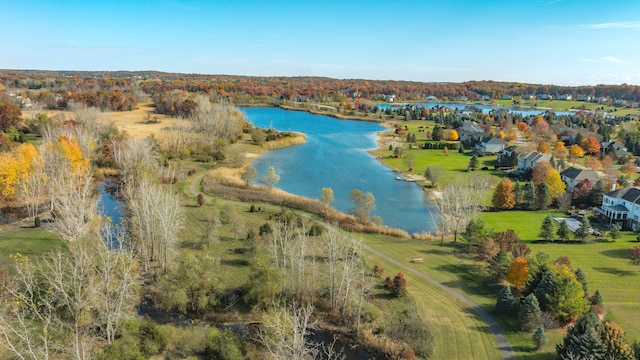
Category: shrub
[36,221]
[539,338]
[200,199]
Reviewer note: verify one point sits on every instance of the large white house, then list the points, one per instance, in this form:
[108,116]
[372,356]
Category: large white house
[621,207]
[527,161]
[572,177]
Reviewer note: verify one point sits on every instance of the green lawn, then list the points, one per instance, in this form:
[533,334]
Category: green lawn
[564,105]
[28,242]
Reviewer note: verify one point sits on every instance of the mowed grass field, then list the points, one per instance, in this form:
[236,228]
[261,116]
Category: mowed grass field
[30,242]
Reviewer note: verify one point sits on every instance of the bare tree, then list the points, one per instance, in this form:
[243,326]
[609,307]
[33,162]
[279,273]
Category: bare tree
[327,196]
[73,202]
[457,205]
[363,203]
[32,189]
[271,179]
[285,331]
[133,157]
[248,175]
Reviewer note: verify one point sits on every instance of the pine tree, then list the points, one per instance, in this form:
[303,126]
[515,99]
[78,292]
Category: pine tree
[529,313]
[529,196]
[498,266]
[546,229]
[584,339]
[563,231]
[584,231]
[539,338]
[596,299]
[597,192]
[474,163]
[543,196]
[505,303]
[547,286]
[582,279]
[518,191]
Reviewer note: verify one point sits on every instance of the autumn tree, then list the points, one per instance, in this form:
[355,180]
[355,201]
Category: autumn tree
[10,115]
[363,203]
[590,145]
[593,163]
[543,147]
[271,178]
[629,168]
[327,196]
[517,274]
[554,183]
[575,151]
[453,135]
[504,196]
[559,150]
[248,175]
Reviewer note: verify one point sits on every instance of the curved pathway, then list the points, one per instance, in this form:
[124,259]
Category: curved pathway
[503,345]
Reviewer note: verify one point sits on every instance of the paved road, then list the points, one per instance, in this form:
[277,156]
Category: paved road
[503,345]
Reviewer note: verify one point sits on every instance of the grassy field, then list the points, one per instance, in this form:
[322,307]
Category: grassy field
[28,242]
[567,105]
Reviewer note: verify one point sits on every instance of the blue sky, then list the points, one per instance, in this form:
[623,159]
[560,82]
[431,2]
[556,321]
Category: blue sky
[562,42]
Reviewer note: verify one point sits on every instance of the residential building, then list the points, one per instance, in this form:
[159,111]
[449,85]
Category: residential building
[565,97]
[528,97]
[584,98]
[572,177]
[609,146]
[471,130]
[490,145]
[621,207]
[506,97]
[528,161]
[389,97]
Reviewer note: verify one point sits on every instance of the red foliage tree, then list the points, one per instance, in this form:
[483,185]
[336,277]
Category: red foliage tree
[10,115]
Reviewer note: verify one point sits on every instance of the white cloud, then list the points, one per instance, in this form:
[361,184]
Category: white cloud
[612,59]
[616,25]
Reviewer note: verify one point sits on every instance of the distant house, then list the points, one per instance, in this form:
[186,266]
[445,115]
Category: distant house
[584,98]
[621,206]
[572,177]
[619,102]
[490,145]
[389,97]
[565,97]
[470,130]
[431,98]
[463,98]
[506,97]
[508,157]
[609,146]
[528,97]
[485,98]
[544,97]
[528,161]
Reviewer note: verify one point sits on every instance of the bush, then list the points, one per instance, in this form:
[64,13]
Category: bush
[225,345]
[200,199]
[36,221]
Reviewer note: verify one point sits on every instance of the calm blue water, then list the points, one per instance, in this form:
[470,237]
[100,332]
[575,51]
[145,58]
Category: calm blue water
[109,205]
[335,156]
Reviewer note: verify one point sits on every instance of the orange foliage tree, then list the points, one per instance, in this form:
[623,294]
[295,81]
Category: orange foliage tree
[453,135]
[544,147]
[593,163]
[559,150]
[518,272]
[629,168]
[590,145]
[539,172]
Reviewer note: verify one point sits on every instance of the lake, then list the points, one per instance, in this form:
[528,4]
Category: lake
[335,156]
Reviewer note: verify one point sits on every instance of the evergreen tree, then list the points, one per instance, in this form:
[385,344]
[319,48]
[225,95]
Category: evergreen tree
[543,196]
[474,163]
[498,266]
[563,231]
[614,233]
[529,314]
[529,196]
[546,229]
[475,232]
[539,338]
[596,299]
[582,279]
[583,339]
[505,303]
[597,192]
[547,286]
[518,192]
[584,231]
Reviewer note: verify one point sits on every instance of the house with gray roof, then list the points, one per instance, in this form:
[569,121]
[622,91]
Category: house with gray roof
[572,177]
[609,146]
[471,130]
[528,161]
[490,145]
[621,207]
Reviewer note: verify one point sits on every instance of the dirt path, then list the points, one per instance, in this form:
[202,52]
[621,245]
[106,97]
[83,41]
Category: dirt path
[501,340]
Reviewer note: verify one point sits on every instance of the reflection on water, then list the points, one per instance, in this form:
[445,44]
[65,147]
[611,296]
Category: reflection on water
[335,156]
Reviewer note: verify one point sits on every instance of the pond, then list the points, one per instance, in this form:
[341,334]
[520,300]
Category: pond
[111,206]
[335,156]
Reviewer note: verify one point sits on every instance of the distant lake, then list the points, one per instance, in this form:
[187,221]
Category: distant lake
[335,156]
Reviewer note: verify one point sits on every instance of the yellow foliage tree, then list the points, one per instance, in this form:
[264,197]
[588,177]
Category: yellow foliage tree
[559,150]
[504,197]
[15,166]
[453,135]
[73,153]
[575,151]
[518,272]
[544,147]
[554,183]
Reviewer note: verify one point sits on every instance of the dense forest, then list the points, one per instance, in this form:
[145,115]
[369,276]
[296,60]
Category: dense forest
[117,90]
